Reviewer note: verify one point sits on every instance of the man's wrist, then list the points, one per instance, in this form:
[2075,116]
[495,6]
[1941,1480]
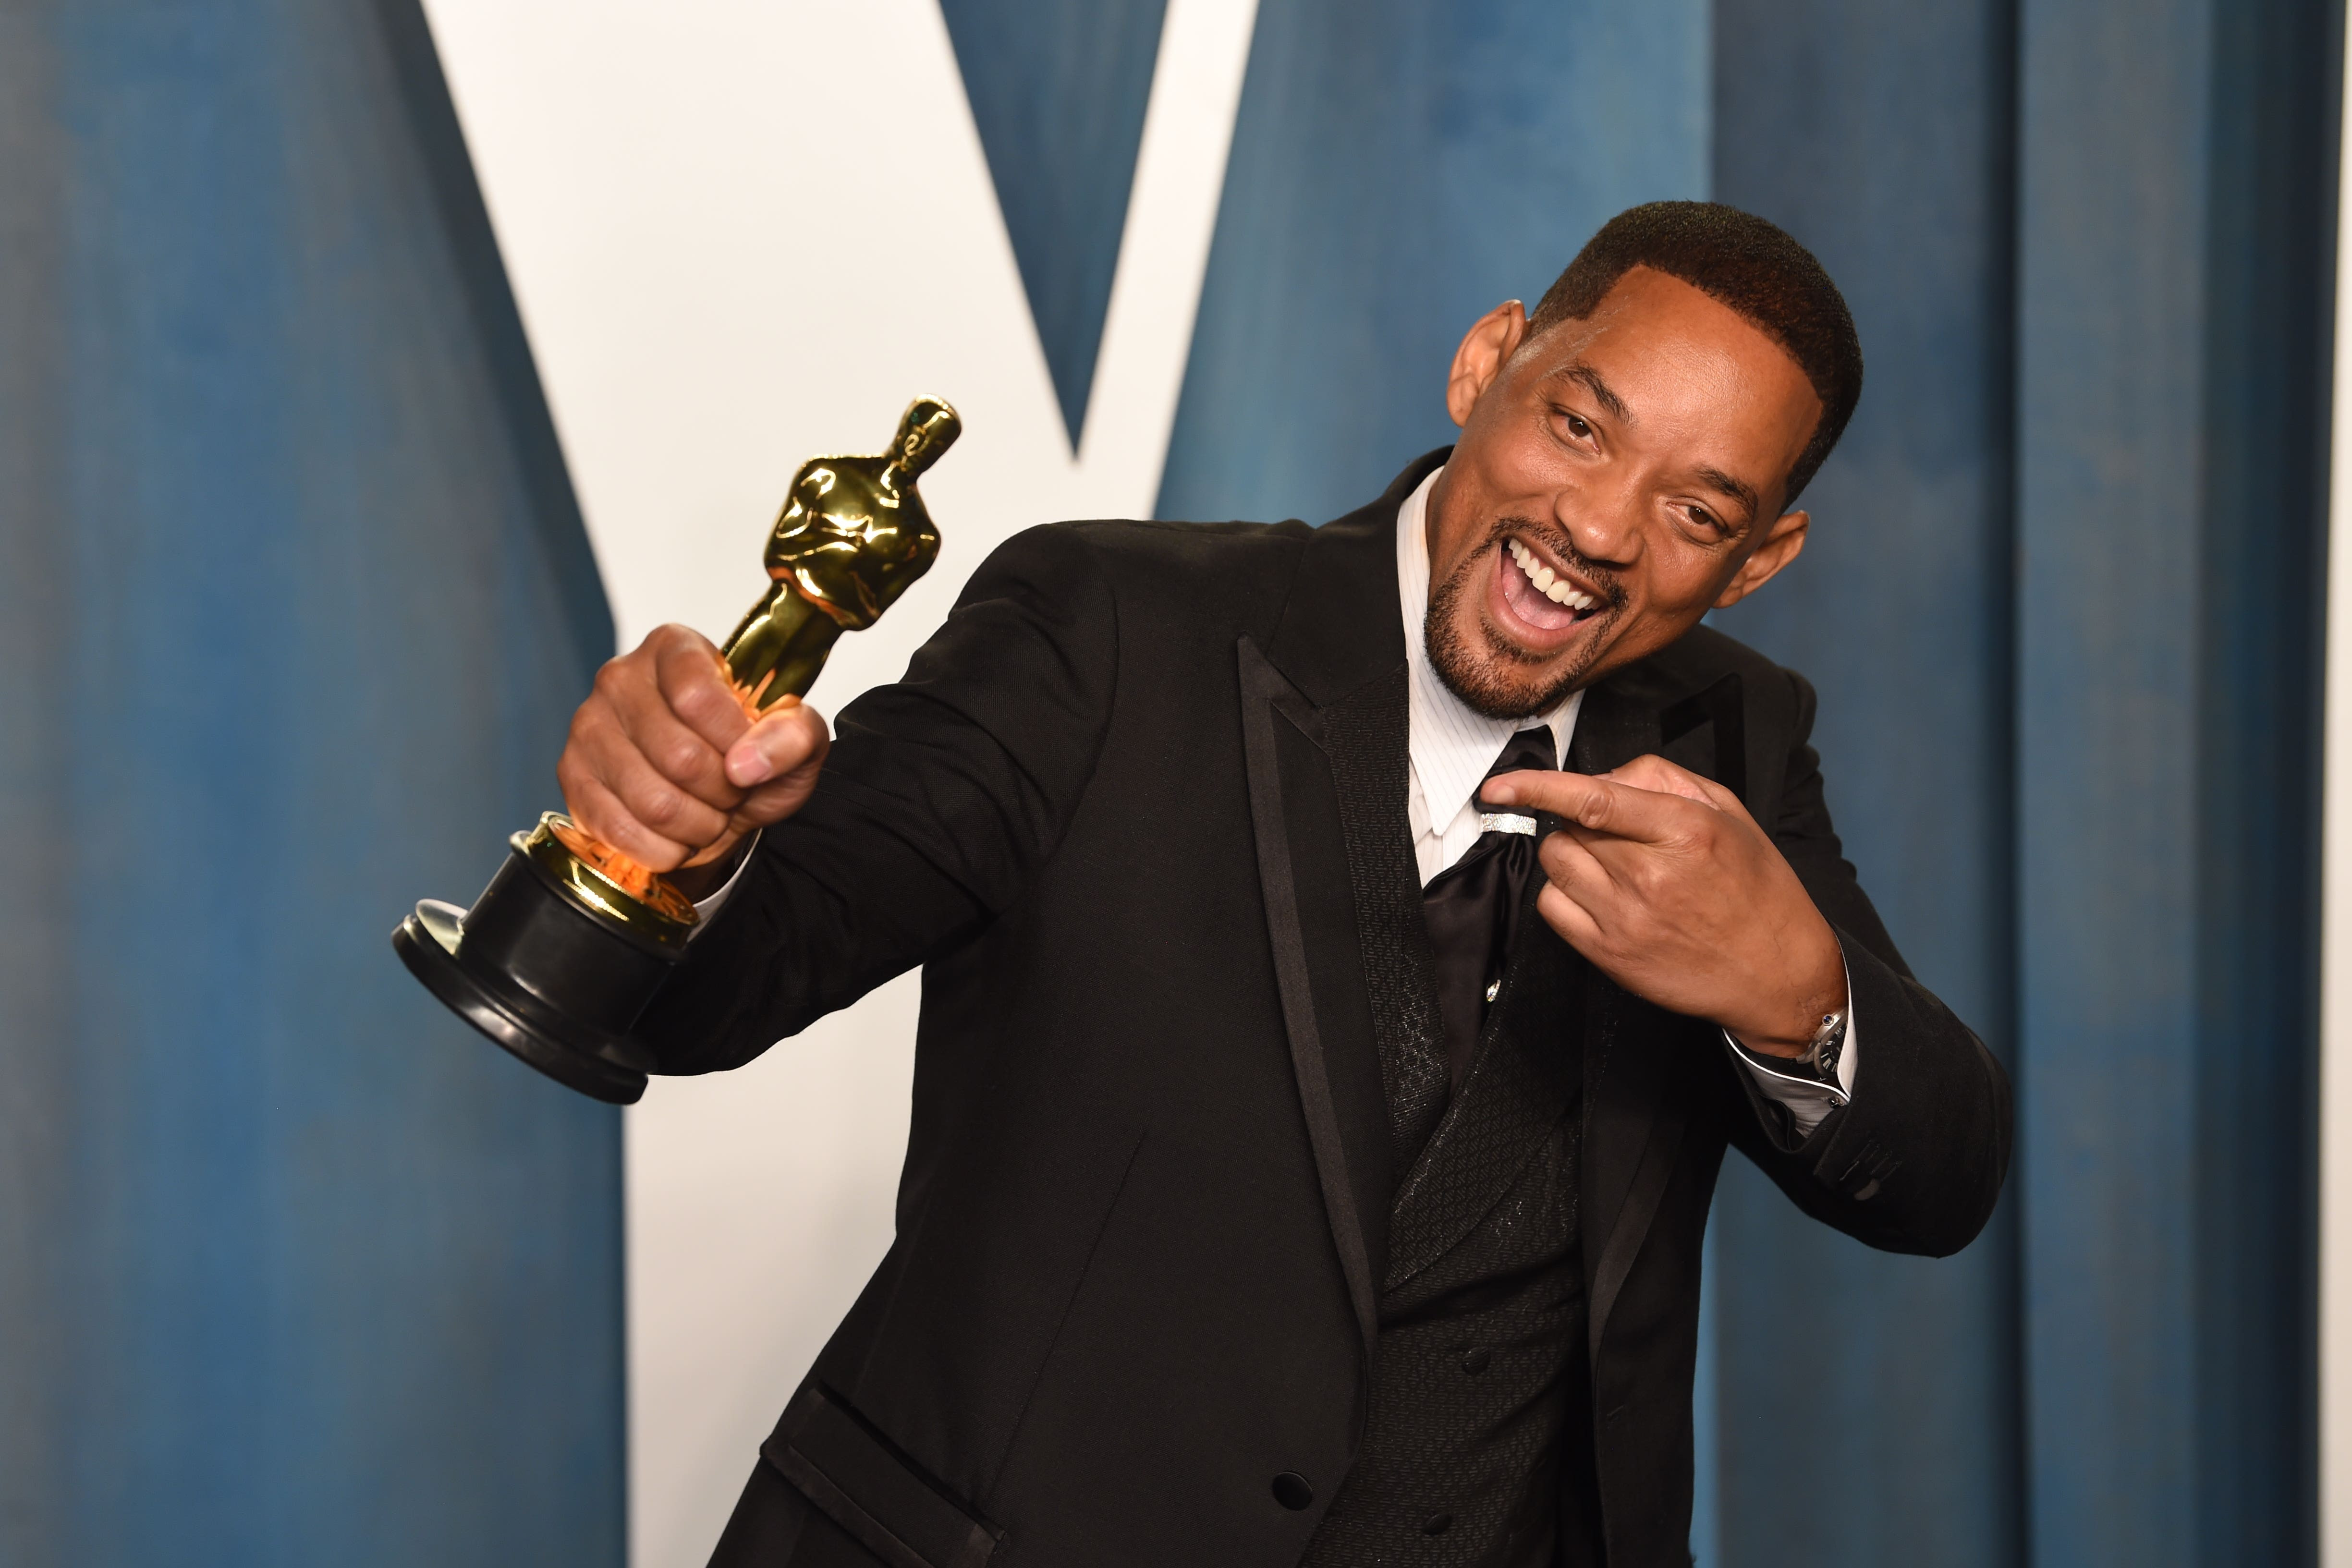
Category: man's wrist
[1795,1035]
[1790,1047]
[699,881]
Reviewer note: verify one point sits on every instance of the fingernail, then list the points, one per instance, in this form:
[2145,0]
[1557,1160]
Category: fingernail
[1501,794]
[748,764]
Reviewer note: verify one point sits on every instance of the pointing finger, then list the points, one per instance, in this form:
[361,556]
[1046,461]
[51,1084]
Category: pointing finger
[1600,804]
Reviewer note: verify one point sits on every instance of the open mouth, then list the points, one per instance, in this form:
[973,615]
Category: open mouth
[1542,595]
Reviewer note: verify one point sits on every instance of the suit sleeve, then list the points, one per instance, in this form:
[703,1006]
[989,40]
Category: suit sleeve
[942,796]
[1915,1161]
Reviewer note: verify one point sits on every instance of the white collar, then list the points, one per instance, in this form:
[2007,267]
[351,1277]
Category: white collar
[1452,747]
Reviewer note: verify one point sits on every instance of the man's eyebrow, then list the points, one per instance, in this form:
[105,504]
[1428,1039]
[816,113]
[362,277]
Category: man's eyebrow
[1589,380]
[1614,406]
[1717,479]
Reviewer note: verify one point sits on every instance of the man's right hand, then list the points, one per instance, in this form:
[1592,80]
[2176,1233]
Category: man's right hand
[663,764]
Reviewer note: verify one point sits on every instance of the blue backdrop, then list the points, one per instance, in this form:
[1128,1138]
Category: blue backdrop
[2175,173]
[1882,137]
[293,599]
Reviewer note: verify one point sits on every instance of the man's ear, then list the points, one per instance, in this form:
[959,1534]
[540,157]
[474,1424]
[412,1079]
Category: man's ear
[1783,543]
[1493,340]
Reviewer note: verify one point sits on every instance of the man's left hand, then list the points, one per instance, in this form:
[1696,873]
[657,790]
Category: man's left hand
[1663,880]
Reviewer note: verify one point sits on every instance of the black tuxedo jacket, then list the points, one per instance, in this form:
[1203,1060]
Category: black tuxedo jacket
[1139,813]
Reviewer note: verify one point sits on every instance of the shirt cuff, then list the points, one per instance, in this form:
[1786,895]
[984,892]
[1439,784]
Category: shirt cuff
[706,910]
[1809,1101]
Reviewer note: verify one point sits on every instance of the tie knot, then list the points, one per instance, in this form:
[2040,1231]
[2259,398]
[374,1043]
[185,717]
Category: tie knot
[1531,748]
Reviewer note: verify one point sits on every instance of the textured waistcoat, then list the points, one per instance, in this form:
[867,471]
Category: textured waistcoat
[1477,1449]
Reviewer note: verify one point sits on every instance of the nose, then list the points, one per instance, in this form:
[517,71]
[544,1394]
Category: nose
[1603,523]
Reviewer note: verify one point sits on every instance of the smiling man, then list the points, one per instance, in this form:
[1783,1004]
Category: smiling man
[1348,955]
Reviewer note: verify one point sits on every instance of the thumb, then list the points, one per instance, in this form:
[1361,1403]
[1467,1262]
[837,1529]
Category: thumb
[788,737]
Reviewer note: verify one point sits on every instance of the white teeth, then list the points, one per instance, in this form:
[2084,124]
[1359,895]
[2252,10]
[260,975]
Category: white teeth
[1548,582]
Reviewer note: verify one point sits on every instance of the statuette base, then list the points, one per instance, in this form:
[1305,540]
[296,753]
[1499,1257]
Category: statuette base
[528,941]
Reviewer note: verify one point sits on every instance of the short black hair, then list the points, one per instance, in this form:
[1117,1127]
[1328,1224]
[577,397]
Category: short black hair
[1749,264]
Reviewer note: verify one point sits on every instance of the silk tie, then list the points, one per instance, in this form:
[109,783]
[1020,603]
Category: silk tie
[1473,908]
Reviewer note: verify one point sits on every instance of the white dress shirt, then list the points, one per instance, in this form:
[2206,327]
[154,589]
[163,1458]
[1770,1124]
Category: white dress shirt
[1452,747]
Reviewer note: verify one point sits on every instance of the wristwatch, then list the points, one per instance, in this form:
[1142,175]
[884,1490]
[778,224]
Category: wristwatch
[1822,1051]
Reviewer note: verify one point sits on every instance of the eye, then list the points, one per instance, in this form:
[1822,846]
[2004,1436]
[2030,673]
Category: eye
[1577,425]
[1703,520]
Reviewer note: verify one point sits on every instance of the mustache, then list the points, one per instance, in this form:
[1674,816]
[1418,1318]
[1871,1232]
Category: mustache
[1555,539]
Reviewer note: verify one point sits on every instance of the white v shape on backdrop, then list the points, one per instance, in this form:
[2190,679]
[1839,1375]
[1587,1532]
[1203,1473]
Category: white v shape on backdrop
[741,233]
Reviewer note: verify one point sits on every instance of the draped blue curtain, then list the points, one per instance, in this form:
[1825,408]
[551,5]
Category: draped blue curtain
[1882,138]
[2175,266]
[2064,618]
[294,602]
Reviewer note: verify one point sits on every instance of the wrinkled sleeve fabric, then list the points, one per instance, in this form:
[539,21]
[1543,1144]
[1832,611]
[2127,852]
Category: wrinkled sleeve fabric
[1914,1160]
[942,796]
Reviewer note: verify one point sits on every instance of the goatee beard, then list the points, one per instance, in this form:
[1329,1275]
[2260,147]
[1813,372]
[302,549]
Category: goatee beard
[1476,673]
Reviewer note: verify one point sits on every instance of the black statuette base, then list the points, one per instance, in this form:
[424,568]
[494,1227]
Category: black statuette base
[552,983]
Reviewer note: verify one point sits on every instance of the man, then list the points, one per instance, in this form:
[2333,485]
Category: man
[1348,953]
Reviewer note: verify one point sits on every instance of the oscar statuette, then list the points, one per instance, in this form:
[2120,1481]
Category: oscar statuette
[562,952]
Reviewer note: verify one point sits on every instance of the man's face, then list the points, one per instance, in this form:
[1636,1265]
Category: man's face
[1616,478]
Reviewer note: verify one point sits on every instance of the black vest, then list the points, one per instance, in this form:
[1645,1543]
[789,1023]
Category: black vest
[1477,1450]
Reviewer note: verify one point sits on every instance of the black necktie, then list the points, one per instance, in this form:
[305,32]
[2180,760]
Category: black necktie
[1473,908]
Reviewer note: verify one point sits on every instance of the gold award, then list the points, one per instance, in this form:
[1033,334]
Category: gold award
[572,938]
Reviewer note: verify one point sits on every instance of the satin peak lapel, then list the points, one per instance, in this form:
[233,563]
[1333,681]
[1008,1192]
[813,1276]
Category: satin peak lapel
[1294,816]
[1328,684]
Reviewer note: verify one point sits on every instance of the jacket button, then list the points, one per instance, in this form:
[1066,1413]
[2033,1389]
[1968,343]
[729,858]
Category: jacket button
[1291,1490]
[1437,1525]
[1474,1359]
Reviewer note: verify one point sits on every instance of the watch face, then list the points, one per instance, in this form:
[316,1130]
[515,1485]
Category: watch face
[1828,1050]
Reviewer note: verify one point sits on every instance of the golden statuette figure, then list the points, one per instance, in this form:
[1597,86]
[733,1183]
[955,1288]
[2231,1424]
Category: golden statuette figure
[853,535]
[571,937]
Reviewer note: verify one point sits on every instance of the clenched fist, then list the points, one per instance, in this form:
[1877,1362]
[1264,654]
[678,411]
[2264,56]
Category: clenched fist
[1664,882]
[664,765]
